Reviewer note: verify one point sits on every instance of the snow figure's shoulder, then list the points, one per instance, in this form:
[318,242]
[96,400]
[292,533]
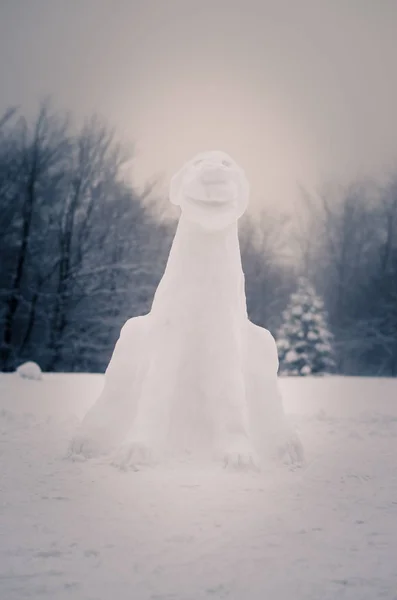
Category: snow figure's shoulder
[130,345]
[262,346]
[261,334]
[133,330]
[134,325]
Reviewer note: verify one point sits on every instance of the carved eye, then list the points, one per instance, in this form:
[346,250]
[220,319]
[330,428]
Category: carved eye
[226,163]
[198,162]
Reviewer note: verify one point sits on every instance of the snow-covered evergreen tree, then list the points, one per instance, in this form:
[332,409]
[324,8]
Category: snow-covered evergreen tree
[304,341]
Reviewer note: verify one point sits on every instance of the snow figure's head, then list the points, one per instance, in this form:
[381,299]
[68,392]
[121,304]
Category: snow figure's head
[211,190]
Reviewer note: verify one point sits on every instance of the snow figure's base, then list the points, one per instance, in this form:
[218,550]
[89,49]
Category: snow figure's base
[136,457]
[194,378]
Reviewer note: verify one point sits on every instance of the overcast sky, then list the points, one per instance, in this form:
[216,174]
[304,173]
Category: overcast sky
[298,90]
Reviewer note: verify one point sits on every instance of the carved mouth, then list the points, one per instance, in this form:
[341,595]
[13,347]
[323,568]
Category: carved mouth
[221,203]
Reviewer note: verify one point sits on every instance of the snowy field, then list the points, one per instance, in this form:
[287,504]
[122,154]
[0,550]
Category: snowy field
[86,531]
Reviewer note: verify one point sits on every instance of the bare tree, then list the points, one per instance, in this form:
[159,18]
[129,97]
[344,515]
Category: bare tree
[39,154]
[80,249]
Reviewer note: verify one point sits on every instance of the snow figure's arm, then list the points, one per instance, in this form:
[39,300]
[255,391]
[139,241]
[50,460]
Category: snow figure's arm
[113,412]
[269,346]
[262,352]
[126,354]
[270,427]
[263,396]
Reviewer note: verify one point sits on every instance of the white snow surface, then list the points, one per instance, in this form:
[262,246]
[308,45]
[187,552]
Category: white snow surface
[83,530]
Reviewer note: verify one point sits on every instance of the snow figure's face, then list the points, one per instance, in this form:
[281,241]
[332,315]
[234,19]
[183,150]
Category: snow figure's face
[211,190]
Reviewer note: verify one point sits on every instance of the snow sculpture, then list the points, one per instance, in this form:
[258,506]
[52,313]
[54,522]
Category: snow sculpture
[30,370]
[194,377]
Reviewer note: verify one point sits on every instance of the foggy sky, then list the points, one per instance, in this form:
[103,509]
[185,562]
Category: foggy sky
[296,91]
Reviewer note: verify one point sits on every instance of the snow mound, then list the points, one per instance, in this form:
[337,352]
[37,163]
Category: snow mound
[30,370]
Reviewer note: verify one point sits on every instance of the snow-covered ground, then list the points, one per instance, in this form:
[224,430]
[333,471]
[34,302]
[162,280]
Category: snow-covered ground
[86,531]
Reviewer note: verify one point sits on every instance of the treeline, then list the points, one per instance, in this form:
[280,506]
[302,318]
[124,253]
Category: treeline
[347,246]
[343,240]
[81,251]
